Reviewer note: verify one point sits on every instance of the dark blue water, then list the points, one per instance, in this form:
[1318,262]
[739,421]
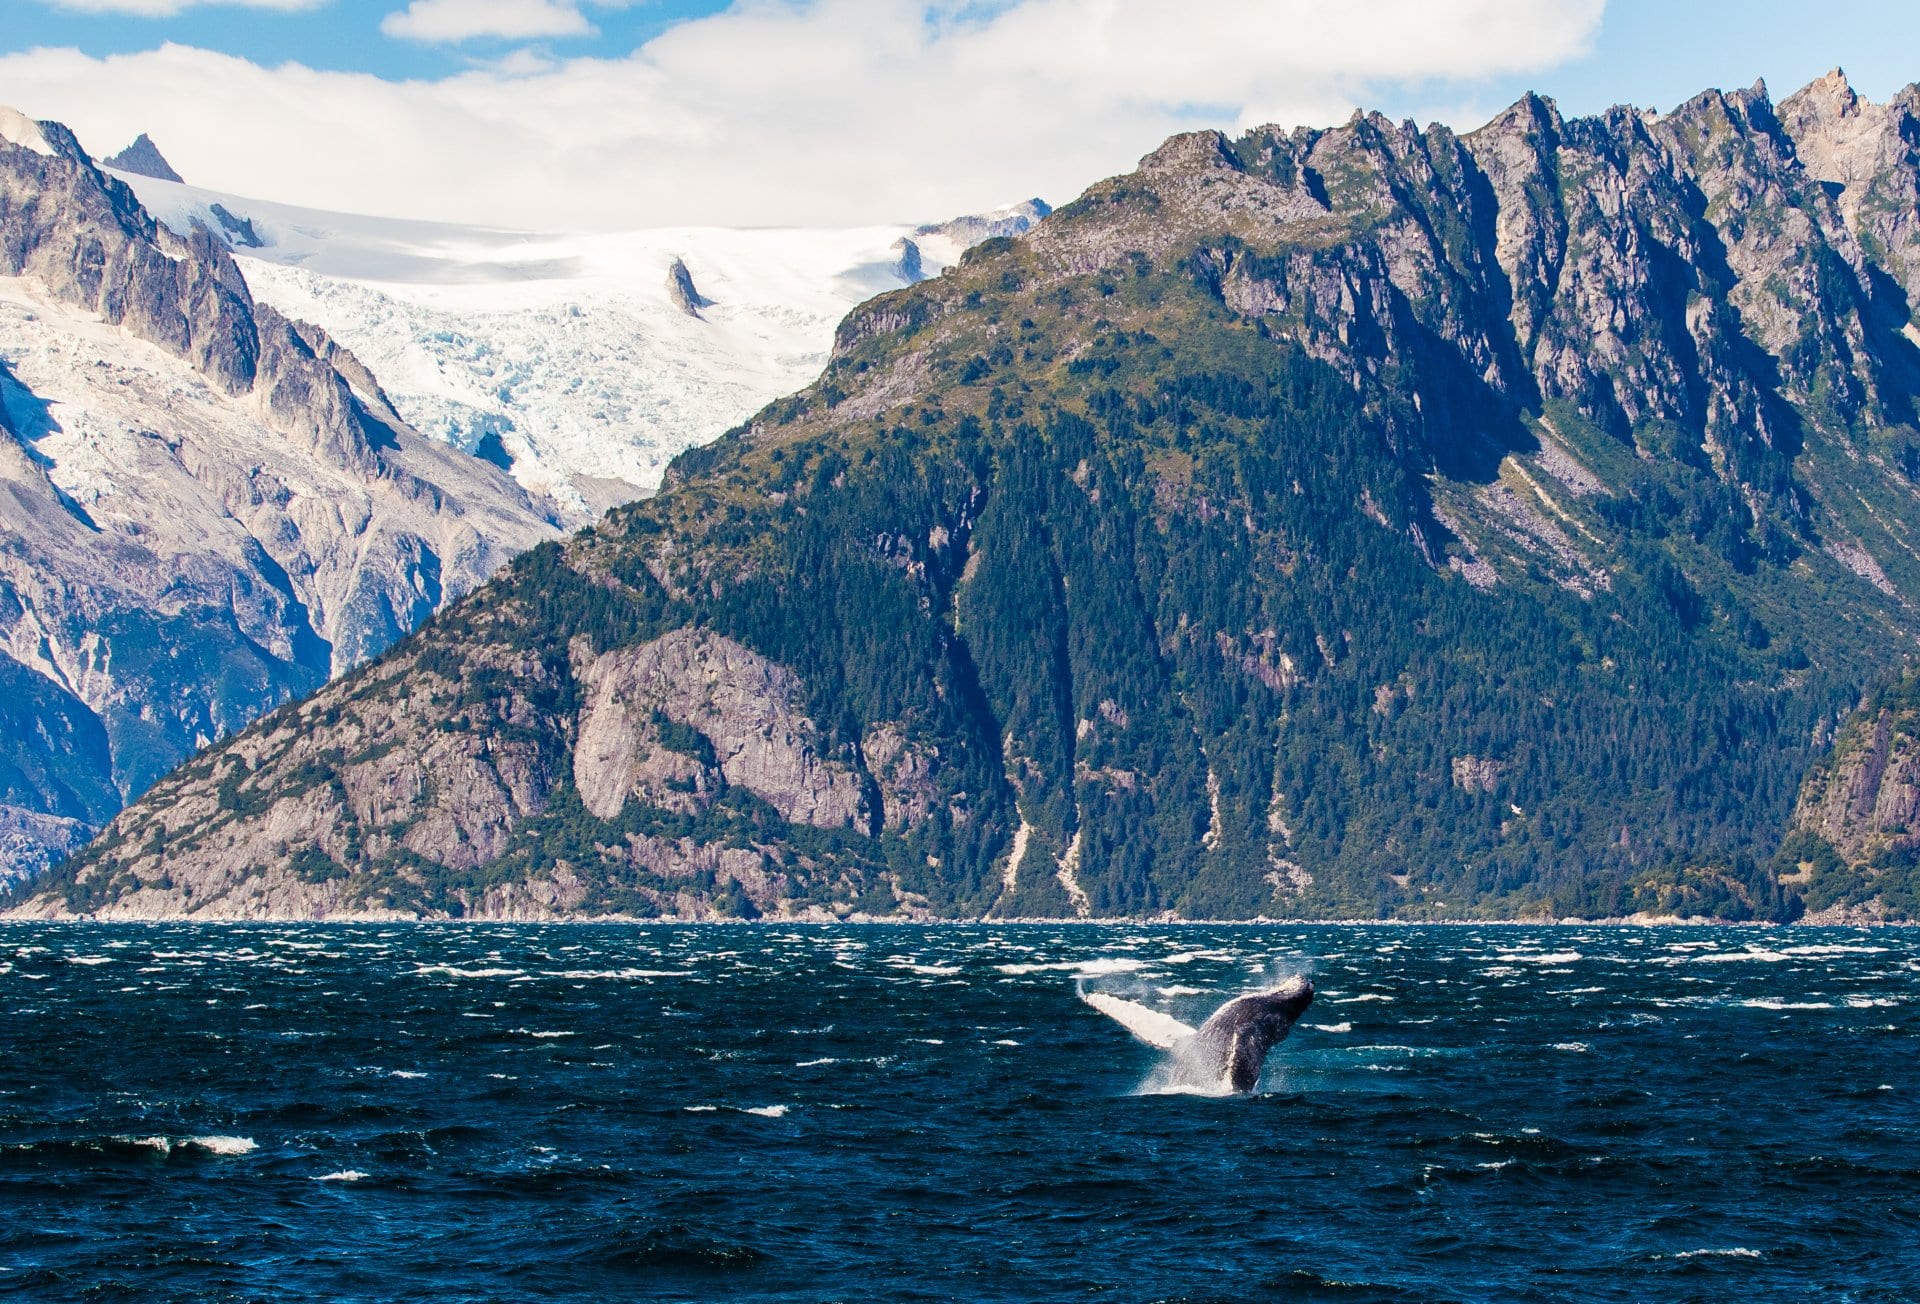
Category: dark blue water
[759,1113]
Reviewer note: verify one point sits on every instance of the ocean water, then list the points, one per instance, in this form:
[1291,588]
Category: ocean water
[495,1113]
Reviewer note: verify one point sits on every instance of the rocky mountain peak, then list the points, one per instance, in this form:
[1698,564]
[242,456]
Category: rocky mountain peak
[908,263]
[143,158]
[1529,113]
[1840,137]
[1190,152]
[681,289]
[16,128]
[1832,95]
[50,139]
[962,233]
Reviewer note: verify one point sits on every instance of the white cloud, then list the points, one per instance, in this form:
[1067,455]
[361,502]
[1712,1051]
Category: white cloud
[794,111]
[449,21]
[168,8]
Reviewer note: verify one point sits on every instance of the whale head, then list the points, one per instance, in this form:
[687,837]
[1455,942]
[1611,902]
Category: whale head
[1291,997]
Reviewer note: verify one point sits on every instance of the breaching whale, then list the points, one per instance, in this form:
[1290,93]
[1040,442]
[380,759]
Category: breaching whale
[1230,1048]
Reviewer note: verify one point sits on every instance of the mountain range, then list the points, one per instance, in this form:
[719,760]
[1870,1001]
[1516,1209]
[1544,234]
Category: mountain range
[1372,521]
[213,505]
[207,507]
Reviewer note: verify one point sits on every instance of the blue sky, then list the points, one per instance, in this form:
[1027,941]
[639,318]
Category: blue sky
[840,111]
[1649,52]
[340,35]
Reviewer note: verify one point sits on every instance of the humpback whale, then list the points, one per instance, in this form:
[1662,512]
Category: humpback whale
[1231,1046]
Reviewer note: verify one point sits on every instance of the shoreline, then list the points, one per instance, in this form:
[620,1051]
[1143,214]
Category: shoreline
[860,921]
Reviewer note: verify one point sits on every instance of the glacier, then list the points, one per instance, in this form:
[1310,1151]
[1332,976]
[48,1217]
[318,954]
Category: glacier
[563,356]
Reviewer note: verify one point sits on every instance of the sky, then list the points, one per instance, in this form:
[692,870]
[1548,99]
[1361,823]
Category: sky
[615,114]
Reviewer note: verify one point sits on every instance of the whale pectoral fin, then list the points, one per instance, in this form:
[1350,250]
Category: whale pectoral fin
[1151,1026]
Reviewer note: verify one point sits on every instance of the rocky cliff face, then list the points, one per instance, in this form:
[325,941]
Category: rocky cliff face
[1854,850]
[205,508]
[1360,521]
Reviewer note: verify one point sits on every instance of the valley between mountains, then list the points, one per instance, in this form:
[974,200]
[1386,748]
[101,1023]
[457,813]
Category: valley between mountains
[1351,523]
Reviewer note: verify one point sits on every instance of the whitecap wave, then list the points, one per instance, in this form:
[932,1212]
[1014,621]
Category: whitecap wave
[623,975]
[914,966]
[1086,968]
[224,1145]
[454,971]
[344,1175]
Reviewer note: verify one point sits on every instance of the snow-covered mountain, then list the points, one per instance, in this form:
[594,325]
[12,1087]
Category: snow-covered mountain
[570,358]
[205,507]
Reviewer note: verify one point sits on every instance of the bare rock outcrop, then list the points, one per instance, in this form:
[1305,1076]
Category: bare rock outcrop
[905,771]
[746,712]
[1865,798]
[681,289]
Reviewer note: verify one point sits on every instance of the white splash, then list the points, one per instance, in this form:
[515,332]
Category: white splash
[224,1145]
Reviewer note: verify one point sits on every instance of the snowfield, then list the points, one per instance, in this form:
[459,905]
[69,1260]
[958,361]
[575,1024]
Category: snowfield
[567,349]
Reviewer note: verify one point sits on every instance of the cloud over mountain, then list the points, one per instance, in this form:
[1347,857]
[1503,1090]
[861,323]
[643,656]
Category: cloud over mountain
[825,111]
